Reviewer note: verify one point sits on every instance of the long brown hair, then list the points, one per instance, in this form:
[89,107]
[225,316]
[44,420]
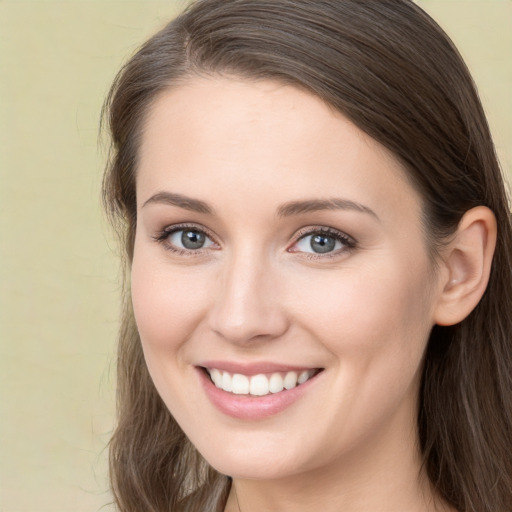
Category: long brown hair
[390,69]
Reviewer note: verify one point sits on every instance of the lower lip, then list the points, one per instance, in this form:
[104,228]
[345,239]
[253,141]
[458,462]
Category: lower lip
[250,407]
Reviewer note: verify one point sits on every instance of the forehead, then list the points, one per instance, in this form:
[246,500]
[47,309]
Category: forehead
[212,137]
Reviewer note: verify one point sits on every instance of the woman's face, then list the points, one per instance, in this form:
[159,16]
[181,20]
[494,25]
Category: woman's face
[278,247]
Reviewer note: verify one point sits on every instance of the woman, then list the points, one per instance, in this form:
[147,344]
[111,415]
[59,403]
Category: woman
[318,242]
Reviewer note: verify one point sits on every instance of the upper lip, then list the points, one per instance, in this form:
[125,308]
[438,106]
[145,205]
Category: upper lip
[254,368]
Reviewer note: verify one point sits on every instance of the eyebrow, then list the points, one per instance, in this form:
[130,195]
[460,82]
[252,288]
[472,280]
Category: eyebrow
[314,205]
[185,202]
[285,210]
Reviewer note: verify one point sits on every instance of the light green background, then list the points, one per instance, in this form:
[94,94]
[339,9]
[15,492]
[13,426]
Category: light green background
[59,282]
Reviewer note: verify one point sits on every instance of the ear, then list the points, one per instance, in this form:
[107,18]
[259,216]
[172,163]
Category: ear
[467,265]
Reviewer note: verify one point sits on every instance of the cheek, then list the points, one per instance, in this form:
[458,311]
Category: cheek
[378,318]
[168,303]
[375,324]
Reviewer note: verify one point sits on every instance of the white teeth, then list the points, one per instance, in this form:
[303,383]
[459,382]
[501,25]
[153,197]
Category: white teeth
[226,382]
[303,377]
[276,383]
[258,385]
[216,377]
[290,381]
[239,384]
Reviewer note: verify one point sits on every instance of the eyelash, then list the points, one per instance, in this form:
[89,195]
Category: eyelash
[162,238]
[348,242]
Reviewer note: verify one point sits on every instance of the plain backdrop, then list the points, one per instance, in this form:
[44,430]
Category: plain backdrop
[59,278]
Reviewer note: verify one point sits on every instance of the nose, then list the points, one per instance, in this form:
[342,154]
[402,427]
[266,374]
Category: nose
[247,307]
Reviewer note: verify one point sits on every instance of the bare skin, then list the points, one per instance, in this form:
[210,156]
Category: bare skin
[342,283]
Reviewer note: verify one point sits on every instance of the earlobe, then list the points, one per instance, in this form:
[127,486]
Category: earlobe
[467,260]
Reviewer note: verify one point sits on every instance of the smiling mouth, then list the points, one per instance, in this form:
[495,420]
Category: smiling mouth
[259,385]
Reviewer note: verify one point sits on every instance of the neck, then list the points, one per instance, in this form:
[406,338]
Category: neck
[386,471]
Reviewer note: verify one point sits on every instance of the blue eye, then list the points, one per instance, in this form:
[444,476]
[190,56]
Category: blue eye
[190,239]
[185,239]
[323,242]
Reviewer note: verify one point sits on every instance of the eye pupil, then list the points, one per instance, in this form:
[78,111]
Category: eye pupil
[192,239]
[322,243]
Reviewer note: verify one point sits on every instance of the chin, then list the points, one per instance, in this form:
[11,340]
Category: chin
[268,469]
[261,462]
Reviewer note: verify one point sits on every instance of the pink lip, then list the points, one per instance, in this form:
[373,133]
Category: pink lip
[252,368]
[248,407]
